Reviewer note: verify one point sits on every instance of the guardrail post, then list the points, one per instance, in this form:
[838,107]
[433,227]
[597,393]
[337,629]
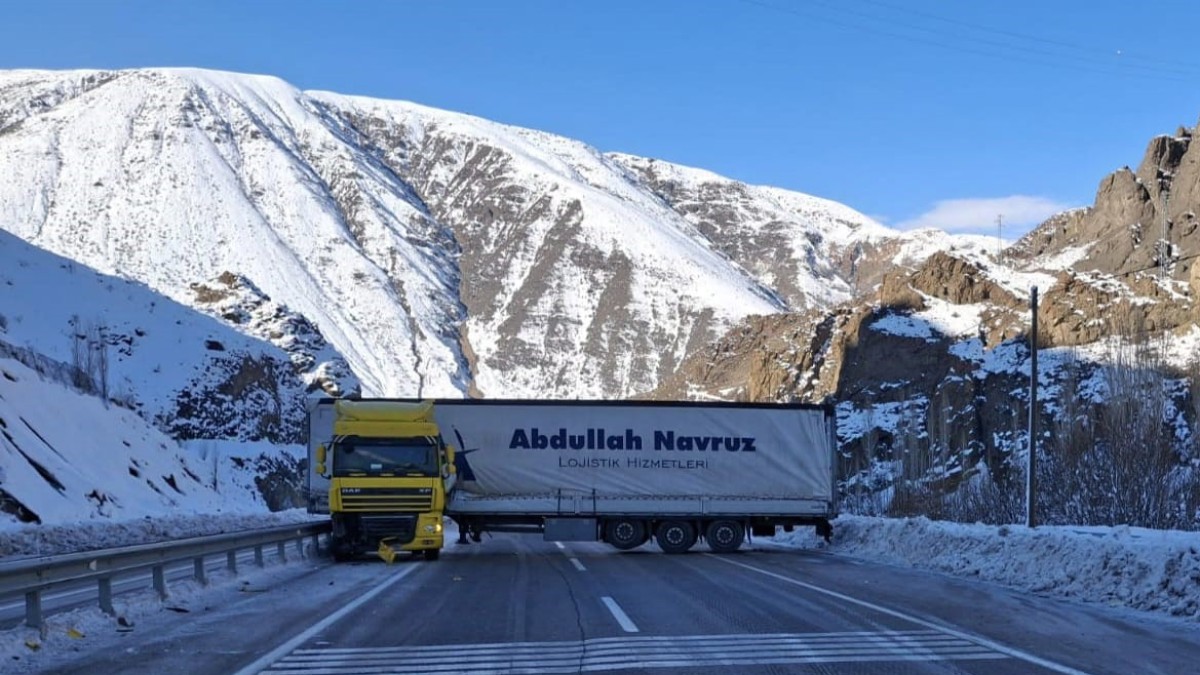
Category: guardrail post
[231,561]
[198,569]
[106,606]
[33,609]
[316,544]
[282,551]
[258,556]
[300,547]
[160,582]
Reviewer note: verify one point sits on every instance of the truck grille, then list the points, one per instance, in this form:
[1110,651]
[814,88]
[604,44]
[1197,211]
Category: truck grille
[387,499]
[402,528]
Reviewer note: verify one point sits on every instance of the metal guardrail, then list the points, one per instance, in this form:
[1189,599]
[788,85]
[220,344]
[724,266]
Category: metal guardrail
[31,576]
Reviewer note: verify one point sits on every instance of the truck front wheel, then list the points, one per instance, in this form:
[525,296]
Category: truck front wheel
[724,536]
[431,553]
[675,536]
[625,534]
[342,550]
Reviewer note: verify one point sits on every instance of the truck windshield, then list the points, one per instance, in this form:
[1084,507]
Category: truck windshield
[395,456]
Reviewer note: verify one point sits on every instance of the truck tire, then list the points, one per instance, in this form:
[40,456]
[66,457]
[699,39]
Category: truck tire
[432,554]
[342,550]
[675,536]
[725,536]
[626,533]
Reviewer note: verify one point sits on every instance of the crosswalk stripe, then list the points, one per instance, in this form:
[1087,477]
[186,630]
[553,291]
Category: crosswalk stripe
[624,641]
[466,653]
[543,658]
[586,667]
[639,658]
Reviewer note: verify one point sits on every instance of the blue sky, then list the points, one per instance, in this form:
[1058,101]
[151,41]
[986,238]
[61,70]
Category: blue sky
[917,112]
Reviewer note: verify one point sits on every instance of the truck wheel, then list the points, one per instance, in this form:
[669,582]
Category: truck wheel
[625,534]
[724,536]
[675,536]
[432,554]
[342,551]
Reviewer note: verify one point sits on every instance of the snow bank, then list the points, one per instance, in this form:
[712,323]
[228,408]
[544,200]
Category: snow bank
[1148,570]
[68,633]
[39,540]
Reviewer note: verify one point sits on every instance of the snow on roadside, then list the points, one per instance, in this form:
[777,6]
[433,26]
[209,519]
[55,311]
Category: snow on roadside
[40,540]
[1136,568]
[29,650]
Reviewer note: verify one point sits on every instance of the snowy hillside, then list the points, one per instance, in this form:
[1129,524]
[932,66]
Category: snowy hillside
[197,373]
[800,245]
[577,282]
[93,462]
[101,375]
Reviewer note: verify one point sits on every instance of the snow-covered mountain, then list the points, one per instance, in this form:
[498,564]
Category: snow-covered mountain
[440,254]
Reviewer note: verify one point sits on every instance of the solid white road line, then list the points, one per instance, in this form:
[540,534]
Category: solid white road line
[559,544]
[287,647]
[578,565]
[983,642]
[620,615]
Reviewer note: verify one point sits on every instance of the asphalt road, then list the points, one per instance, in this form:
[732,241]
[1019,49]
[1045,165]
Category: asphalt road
[516,604]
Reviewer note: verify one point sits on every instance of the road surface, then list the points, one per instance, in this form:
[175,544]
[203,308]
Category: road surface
[516,604]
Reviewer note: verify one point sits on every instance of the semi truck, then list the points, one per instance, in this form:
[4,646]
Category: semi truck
[621,472]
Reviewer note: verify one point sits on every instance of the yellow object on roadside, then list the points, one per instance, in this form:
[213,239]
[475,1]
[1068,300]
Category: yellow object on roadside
[386,552]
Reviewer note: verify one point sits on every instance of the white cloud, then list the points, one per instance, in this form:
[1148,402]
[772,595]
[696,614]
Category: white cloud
[978,216]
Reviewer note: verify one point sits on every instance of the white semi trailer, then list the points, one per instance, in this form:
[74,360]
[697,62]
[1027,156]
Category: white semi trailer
[623,472]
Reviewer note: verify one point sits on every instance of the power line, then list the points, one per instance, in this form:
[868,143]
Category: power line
[1031,38]
[988,48]
[1088,59]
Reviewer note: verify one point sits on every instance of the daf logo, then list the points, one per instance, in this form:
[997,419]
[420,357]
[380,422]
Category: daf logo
[351,491]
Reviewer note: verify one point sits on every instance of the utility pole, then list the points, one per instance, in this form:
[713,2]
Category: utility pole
[1031,478]
[1165,245]
[999,238]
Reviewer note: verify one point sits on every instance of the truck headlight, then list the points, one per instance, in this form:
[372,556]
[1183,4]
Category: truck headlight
[434,528]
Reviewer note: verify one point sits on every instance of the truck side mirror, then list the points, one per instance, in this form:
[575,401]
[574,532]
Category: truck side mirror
[321,460]
[450,458]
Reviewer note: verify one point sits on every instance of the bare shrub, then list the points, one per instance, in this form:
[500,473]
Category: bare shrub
[1117,460]
[984,499]
[913,495]
[89,356]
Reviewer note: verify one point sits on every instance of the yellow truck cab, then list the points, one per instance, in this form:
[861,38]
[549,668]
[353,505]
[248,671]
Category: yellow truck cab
[389,473]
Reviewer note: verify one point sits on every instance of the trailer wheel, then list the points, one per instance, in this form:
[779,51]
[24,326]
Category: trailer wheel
[675,536]
[724,536]
[625,534]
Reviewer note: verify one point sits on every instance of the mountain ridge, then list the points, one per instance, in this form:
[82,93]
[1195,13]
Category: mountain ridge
[497,259]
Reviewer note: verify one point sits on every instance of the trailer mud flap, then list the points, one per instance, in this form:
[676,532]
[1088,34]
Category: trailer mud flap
[570,529]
